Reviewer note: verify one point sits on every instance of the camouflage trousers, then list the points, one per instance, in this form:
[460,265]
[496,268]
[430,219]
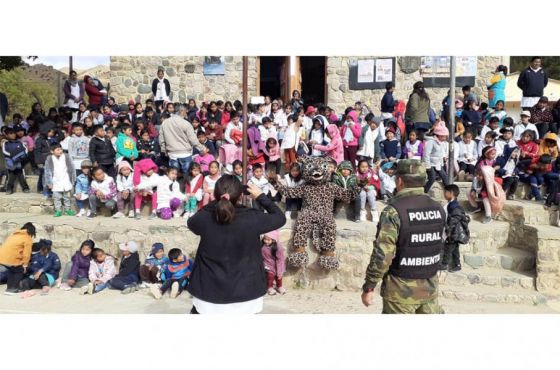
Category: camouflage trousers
[430,307]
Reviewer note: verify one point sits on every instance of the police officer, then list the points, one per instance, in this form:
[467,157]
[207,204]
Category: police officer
[408,247]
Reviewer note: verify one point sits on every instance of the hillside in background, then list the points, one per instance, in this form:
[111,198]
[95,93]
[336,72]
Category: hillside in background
[101,72]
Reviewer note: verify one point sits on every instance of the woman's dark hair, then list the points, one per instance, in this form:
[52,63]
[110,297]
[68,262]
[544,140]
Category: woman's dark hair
[90,243]
[95,252]
[369,117]
[418,88]
[273,246]
[499,101]
[30,228]
[225,208]
[503,69]
[362,161]
[144,132]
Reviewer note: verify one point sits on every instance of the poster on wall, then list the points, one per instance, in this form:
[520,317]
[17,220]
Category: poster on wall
[435,70]
[365,70]
[370,74]
[383,70]
[213,66]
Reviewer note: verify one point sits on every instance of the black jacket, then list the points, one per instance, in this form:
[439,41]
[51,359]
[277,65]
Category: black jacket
[457,224]
[165,82]
[101,151]
[228,267]
[42,148]
[129,265]
[3,106]
[532,83]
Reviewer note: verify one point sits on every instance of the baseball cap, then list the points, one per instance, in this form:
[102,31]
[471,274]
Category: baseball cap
[525,113]
[130,246]
[411,167]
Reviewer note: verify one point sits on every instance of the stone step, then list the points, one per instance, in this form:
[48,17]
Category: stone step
[464,187]
[477,293]
[486,237]
[512,259]
[488,277]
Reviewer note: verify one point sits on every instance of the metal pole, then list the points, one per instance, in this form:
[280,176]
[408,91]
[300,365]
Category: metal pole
[245,123]
[450,168]
[70,64]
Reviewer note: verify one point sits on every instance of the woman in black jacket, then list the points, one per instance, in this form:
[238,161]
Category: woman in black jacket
[228,274]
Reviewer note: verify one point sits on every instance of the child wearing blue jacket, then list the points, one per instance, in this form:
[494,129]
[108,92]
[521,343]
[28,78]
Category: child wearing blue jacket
[154,267]
[81,188]
[44,269]
[390,148]
[176,274]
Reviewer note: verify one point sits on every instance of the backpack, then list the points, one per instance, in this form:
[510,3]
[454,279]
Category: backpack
[463,232]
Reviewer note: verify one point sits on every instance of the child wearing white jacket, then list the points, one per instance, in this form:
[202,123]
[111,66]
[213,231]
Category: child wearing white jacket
[466,157]
[125,190]
[102,268]
[169,196]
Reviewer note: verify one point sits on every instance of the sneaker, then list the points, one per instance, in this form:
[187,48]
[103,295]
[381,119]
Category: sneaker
[91,215]
[174,290]
[138,216]
[156,291]
[288,215]
[9,192]
[510,197]
[26,191]
[81,213]
[118,215]
[152,216]
[374,216]
[363,215]
[70,213]
[12,292]
[84,289]
[131,214]
[487,220]
[65,287]
[57,213]
[45,290]
[281,290]
[90,288]
[455,268]
[271,291]
[143,285]
[129,289]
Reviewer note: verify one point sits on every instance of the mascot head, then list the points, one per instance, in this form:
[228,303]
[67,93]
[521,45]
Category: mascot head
[315,169]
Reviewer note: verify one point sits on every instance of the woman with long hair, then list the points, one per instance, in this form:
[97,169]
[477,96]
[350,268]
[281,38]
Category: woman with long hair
[497,86]
[418,109]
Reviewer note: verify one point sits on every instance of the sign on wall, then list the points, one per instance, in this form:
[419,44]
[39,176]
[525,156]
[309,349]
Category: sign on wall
[435,70]
[369,74]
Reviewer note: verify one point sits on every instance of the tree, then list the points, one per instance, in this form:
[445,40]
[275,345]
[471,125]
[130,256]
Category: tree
[8,63]
[550,63]
[23,92]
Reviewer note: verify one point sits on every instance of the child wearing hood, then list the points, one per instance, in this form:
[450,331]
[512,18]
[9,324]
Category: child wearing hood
[345,177]
[274,262]
[433,157]
[509,172]
[152,269]
[126,144]
[317,135]
[169,196]
[175,275]
[76,272]
[102,268]
[125,188]
[390,148]
[334,148]
[43,270]
[388,180]
[351,131]
[145,180]
[127,278]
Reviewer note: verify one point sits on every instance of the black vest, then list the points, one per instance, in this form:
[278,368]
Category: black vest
[420,241]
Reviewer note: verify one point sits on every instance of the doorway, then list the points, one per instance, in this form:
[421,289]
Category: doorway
[313,79]
[273,76]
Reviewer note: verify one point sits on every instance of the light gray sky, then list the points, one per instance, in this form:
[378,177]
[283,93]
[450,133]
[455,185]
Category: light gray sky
[80,62]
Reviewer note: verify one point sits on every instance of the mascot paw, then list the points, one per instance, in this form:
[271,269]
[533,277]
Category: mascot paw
[328,262]
[298,259]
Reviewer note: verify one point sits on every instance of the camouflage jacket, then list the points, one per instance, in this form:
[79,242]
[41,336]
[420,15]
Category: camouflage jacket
[395,289]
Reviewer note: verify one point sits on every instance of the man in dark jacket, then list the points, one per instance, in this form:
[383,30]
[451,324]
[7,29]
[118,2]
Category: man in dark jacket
[532,82]
[101,152]
[127,279]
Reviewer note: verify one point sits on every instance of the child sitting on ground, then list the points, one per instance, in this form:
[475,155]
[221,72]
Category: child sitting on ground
[293,179]
[151,271]
[145,180]
[528,149]
[43,270]
[59,178]
[125,190]
[467,157]
[82,186]
[101,270]
[177,274]
[388,180]
[127,278]
[210,182]
[534,175]
[456,230]
[193,190]
[76,271]
[413,147]
[102,192]
[260,181]
[346,179]
[390,148]
[274,262]
[169,196]
[369,183]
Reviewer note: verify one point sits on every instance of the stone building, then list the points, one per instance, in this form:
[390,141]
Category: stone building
[320,79]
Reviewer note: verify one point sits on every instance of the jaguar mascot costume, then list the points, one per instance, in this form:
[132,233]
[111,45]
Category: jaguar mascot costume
[316,217]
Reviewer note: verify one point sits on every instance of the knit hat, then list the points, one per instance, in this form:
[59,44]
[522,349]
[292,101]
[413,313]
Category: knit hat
[156,247]
[123,164]
[390,129]
[131,102]
[388,166]
[333,117]
[310,109]
[487,150]
[130,246]
[441,130]
[86,163]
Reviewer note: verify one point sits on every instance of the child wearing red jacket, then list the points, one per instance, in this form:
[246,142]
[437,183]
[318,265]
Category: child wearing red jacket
[369,182]
[528,148]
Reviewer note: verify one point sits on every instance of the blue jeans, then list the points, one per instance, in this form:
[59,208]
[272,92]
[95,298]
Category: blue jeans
[100,287]
[182,164]
[535,181]
[121,282]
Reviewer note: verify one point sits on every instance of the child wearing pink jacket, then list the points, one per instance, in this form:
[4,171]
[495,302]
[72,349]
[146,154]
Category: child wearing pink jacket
[334,149]
[274,262]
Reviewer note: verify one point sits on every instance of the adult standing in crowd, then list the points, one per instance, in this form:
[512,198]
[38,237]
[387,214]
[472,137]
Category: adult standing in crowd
[497,86]
[541,116]
[161,88]
[177,139]
[95,95]
[15,254]
[3,108]
[73,92]
[228,274]
[532,81]
[417,109]
[406,264]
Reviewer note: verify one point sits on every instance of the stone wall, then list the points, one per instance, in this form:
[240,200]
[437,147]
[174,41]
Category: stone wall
[131,78]
[340,96]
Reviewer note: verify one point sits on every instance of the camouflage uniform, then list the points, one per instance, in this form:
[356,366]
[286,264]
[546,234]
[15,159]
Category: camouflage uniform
[399,295]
